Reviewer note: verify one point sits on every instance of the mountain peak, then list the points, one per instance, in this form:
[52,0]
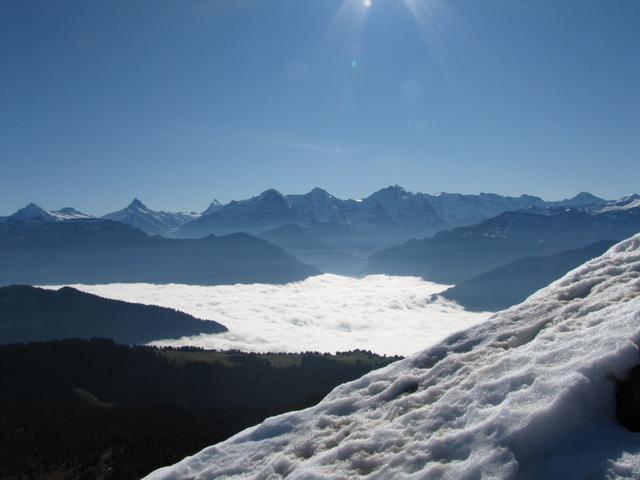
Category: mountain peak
[394,188]
[319,192]
[136,203]
[582,199]
[32,207]
[214,206]
[272,194]
[585,196]
[32,211]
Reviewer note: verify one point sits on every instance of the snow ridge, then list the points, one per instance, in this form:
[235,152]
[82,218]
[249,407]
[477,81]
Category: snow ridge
[527,394]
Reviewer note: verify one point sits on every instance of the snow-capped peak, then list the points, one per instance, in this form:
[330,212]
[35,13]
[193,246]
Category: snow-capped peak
[527,394]
[33,212]
[69,213]
[625,203]
[138,215]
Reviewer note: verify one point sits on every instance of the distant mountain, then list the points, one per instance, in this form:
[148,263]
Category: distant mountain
[386,217]
[626,203]
[138,215]
[511,284]
[33,212]
[460,210]
[105,251]
[69,213]
[301,243]
[459,254]
[214,206]
[268,210]
[30,314]
[319,206]
[583,199]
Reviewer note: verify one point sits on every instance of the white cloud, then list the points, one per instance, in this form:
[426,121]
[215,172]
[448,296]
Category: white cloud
[386,314]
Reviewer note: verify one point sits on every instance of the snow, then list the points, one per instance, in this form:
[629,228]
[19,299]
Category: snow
[629,203]
[35,212]
[328,313]
[138,215]
[69,213]
[527,394]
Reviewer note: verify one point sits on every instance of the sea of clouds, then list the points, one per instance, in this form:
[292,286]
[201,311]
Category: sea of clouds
[327,313]
[529,394]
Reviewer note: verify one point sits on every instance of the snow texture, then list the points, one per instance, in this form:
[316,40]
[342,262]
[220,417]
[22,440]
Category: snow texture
[328,313]
[528,394]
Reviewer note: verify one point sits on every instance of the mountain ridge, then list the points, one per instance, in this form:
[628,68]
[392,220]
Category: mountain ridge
[106,251]
[29,314]
[456,255]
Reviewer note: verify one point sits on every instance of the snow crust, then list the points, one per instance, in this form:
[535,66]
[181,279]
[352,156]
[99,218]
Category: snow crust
[527,394]
[328,313]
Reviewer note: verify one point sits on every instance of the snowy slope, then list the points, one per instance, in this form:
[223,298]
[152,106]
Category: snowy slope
[527,394]
[69,213]
[33,212]
[138,215]
[627,203]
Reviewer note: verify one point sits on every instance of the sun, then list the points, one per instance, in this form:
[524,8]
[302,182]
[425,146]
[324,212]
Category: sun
[367,3]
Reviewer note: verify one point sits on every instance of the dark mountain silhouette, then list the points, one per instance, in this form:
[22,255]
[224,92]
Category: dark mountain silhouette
[104,251]
[459,254]
[299,242]
[511,284]
[34,314]
[583,199]
[79,409]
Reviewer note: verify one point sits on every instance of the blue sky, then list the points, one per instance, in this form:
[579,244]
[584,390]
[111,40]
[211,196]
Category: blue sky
[179,102]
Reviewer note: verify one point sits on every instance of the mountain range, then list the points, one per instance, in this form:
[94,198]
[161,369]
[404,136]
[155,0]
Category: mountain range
[385,217]
[104,251]
[457,255]
[401,233]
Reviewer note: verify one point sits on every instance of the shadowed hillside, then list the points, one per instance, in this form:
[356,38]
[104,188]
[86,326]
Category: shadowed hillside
[459,254]
[104,251]
[33,314]
[511,284]
[80,409]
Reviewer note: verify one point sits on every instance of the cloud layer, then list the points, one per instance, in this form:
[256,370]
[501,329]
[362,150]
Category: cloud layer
[328,313]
